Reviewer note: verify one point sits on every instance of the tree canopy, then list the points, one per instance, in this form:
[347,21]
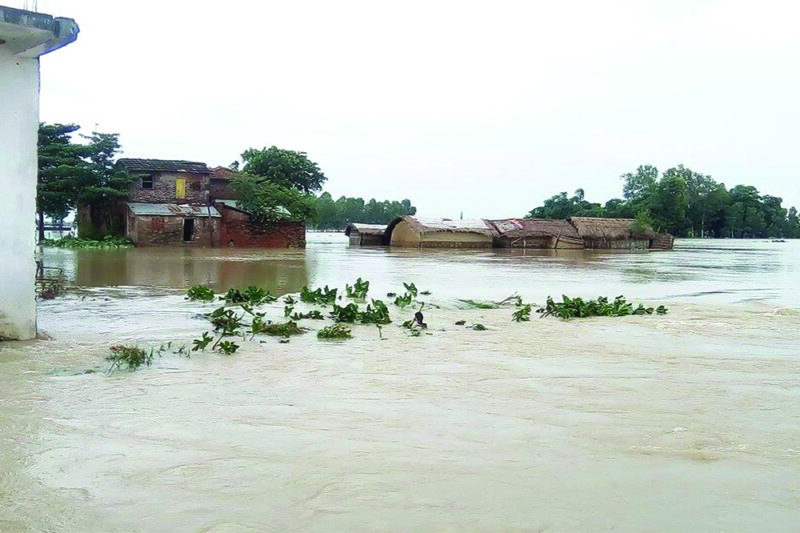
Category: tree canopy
[286,168]
[685,203]
[73,174]
[337,214]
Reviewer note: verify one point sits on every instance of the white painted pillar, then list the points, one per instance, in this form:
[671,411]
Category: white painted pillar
[19,122]
[24,36]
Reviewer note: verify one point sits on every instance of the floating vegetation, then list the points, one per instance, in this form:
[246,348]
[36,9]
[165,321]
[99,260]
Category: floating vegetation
[460,322]
[288,310]
[280,330]
[479,304]
[227,347]
[523,314]
[411,289]
[318,296]
[76,242]
[358,291]
[425,293]
[404,300]
[348,313]
[391,294]
[375,313]
[202,343]
[226,321]
[251,295]
[313,315]
[580,308]
[289,300]
[336,331]
[200,293]
[132,357]
[479,327]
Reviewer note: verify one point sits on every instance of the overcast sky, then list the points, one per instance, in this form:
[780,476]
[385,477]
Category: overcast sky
[482,107]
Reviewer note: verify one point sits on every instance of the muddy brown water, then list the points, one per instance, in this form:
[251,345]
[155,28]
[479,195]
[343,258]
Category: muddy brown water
[685,422]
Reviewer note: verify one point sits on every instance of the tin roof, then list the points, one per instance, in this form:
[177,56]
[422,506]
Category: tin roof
[172,210]
[162,165]
[369,229]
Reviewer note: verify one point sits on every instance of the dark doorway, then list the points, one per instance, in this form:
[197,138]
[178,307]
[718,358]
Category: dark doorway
[188,229]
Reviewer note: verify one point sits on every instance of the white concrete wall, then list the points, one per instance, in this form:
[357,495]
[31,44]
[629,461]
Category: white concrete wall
[19,122]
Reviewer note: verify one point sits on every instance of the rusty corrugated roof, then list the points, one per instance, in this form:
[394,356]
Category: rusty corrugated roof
[172,210]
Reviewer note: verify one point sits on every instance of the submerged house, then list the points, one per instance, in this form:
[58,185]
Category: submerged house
[168,203]
[184,203]
[366,234]
[535,233]
[610,233]
[574,233]
[418,232]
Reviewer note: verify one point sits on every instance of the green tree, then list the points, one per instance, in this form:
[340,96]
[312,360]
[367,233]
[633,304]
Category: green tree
[267,201]
[286,168]
[73,174]
[641,184]
[670,202]
[61,167]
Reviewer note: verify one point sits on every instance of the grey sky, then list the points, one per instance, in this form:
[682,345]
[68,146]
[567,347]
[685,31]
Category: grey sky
[482,107]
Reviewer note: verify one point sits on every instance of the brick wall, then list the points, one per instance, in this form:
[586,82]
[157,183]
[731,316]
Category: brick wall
[168,231]
[237,230]
[221,189]
[163,191]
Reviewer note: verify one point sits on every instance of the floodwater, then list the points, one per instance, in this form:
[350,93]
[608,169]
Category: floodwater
[690,421]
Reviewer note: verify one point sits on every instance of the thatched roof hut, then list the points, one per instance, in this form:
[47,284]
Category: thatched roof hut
[610,233]
[366,234]
[419,232]
[535,233]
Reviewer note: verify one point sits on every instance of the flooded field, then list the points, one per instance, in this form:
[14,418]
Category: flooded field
[690,421]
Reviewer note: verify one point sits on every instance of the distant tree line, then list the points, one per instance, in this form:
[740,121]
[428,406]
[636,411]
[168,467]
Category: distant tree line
[684,203]
[335,215]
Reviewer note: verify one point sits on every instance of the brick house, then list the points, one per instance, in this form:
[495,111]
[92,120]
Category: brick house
[168,203]
[184,203]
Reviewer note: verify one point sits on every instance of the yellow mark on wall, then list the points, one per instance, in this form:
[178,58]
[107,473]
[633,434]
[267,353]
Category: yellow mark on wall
[180,187]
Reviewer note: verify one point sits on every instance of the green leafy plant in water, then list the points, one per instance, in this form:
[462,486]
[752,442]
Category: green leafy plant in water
[200,293]
[348,313]
[404,300]
[318,296]
[336,331]
[580,308]
[358,290]
[251,295]
[425,293]
[523,314]
[460,322]
[289,300]
[227,347]
[391,294]
[132,357]
[479,305]
[226,321]
[202,343]
[76,242]
[282,330]
[313,315]
[288,310]
[375,313]
[479,327]
[411,289]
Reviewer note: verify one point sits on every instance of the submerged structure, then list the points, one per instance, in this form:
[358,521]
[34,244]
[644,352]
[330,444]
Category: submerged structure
[574,233]
[24,37]
[418,232]
[184,203]
[365,234]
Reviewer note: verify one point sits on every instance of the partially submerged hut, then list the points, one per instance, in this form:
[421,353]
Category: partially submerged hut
[366,234]
[535,233]
[418,232]
[611,233]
